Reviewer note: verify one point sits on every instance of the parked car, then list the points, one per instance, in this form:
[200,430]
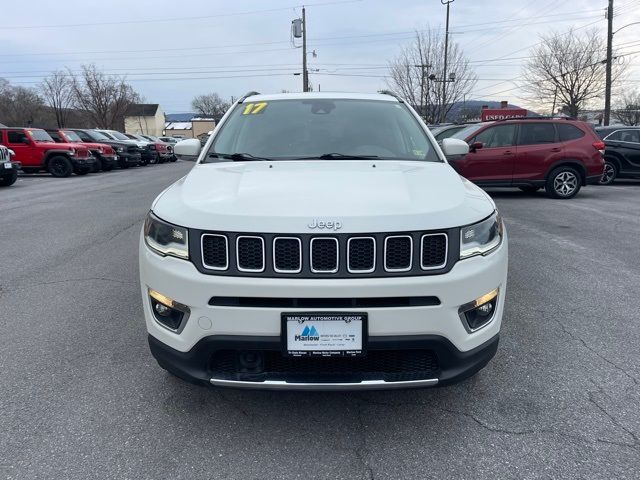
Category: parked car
[105,155]
[127,154]
[8,169]
[159,150]
[353,257]
[171,140]
[440,132]
[37,151]
[168,145]
[559,155]
[622,153]
[146,154]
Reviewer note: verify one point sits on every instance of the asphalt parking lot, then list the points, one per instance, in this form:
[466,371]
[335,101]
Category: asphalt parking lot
[81,397]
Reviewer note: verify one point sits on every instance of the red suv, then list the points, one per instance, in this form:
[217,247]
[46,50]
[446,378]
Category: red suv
[37,151]
[557,154]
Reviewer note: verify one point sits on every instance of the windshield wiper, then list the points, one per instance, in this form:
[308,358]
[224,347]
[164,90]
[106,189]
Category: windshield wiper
[340,156]
[238,157]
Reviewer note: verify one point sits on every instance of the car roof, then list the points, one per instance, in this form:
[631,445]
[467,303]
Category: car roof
[321,95]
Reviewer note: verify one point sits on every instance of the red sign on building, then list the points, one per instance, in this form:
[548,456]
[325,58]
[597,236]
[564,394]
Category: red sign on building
[502,113]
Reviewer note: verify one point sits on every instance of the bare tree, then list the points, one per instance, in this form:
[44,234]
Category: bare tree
[21,106]
[568,70]
[628,112]
[104,97]
[210,105]
[416,74]
[57,91]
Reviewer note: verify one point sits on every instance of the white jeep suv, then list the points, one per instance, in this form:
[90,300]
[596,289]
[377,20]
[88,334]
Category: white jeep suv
[322,241]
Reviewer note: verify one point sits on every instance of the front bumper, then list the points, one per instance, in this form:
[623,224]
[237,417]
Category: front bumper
[210,328]
[86,162]
[109,160]
[9,168]
[195,367]
[131,159]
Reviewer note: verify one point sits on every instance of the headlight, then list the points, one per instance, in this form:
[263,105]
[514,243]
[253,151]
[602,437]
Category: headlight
[481,238]
[72,151]
[165,238]
[119,149]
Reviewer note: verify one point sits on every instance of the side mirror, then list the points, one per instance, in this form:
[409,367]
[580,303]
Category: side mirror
[26,141]
[475,146]
[187,149]
[453,147]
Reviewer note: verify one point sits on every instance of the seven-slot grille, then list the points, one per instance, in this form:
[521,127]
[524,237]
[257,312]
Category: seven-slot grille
[4,154]
[375,254]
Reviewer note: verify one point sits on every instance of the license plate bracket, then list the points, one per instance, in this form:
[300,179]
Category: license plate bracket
[324,334]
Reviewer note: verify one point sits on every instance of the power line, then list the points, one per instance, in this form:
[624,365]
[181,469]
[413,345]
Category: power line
[174,19]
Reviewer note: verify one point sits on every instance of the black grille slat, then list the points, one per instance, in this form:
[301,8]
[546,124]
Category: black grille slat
[324,255]
[215,252]
[434,251]
[361,254]
[250,254]
[287,255]
[398,252]
[324,303]
[388,365]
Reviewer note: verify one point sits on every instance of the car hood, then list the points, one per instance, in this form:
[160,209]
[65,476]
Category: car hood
[286,196]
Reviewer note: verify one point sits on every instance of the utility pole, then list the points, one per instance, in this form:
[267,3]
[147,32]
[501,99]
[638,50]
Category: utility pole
[607,92]
[422,67]
[444,73]
[305,73]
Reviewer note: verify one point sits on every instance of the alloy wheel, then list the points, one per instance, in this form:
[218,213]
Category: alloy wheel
[565,183]
[609,174]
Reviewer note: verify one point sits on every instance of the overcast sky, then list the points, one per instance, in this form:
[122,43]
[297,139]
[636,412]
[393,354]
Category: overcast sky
[174,50]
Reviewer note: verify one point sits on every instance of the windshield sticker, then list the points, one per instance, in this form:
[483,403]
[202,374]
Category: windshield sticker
[254,108]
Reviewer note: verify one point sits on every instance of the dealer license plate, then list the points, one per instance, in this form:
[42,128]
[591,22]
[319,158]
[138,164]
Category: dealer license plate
[324,334]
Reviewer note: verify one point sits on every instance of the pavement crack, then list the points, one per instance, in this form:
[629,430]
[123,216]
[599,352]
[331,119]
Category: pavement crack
[594,351]
[362,451]
[592,399]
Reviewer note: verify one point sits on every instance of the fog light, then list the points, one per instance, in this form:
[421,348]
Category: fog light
[477,314]
[168,312]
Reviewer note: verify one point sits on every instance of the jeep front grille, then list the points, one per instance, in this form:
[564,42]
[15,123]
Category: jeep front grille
[313,256]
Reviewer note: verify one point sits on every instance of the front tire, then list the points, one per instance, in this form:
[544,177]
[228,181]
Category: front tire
[563,183]
[8,180]
[97,167]
[60,167]
[610,173]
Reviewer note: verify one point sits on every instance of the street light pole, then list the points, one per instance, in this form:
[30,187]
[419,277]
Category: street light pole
[444,72]
[305,73]
[607,89]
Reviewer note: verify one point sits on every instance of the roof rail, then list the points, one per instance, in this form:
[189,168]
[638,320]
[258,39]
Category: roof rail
[542,117]
[395,95]
[247,95]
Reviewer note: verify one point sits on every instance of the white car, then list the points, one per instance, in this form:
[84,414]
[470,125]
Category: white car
[8,169]
[322,241]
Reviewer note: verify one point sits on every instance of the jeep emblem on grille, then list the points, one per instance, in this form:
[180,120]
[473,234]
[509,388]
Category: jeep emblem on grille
[329,225]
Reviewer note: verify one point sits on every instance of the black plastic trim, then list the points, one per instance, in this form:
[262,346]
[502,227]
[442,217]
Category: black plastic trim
[193,366]
[279,303]
[453,254]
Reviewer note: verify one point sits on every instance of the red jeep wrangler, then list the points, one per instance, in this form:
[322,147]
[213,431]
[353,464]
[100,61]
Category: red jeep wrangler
[36,151]
[106,158]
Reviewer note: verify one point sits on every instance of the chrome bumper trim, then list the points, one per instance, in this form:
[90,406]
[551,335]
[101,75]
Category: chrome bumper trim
[282,385]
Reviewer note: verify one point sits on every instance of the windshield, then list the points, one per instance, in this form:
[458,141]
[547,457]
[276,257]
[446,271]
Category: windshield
[468,131]
[40,136]
[98,135]
[72,136]
[118,135]
[328,128]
